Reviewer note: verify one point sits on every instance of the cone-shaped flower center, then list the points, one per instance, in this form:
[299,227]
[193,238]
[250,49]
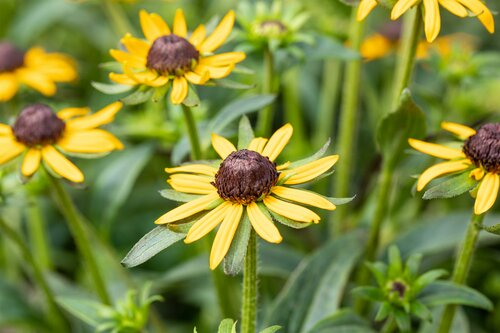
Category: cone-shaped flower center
[38,125]
[10,57]
[244,176]
[483,148]
[170,54]
[399,287]
[271,28]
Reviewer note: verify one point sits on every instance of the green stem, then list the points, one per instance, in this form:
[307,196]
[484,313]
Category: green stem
[462,267]
[293,112]
[194,138]
[249,304]
[77,228]
[406,55]
[55,315]
[38,236]
[347,128]
[389,326]
[265,121]
[117,16]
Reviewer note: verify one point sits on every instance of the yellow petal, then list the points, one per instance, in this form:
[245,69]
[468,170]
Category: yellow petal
[462,131]
[483,13]
[37,81]
[180,27]
[5,130]
[432,20]
[207,223]
[310,170]
[277,142]
[8,86]
[57,67]
[215,72]
[376,46]
[365,7]
[31,162]
[454,7]
[477,174]
[179,90]
[257,144]
[136,46]
[128,58]
[61,165]
[122,79]
[304,197]
[100,118]
[9,149]
[220,34]
[436,150]
[262,225]
[198,36]
[487,193]
[89,142]
[225,235]
[161,25]
[223,59]
[439,170]
[291,211]
[401,7]
[68,113]
[196,78]
[188,209]
[152,27]
[194,168]
[192,184]
[222,146]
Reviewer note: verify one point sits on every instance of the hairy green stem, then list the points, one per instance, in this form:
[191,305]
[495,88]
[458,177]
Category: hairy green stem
[117,16]
[81,237]
[462,267]
[194,138]
[38,235]
[249,304]
[265,120]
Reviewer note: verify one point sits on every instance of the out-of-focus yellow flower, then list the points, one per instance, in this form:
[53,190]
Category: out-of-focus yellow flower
[376,46]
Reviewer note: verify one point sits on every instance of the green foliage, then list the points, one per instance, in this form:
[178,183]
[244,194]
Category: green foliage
[452,187]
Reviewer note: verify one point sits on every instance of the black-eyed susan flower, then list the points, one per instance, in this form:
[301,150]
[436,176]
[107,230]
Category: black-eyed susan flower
[41,135]
[35,68]
[175,56]
[480,156]
[246,183]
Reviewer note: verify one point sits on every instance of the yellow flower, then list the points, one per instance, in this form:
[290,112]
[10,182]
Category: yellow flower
[432,19]
[41,135]
[35,68]
[174,56]
[365,7]
[480,156]
[376,46]
[246,182]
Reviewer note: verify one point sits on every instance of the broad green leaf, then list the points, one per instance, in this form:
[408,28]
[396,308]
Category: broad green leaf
[370,293]
[452,187]
[494,229]
[379,271]
[227,83]
[14,307]
[402,320]
[427,278]
[395,267]
[328,48]
[178,196]
[340,201]
[460,322]
[84,309]
[245,133]
[233,261]
[111,89]
[278,260]
[271,329]
[343,321]
[139,96]
[447,292]
[383,311]
[188,269]
[151,244]
[413,264]
[311,158]
[192,100]
[227,326]
[421,311]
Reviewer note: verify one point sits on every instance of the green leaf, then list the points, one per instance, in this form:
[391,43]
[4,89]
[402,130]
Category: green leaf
[427,278]
[383,311]
[139,96]
[379,271]
[393,131]
[413,264]
[227,326]
[421,311]
[245,133]
[111,89]
[151,244]
[402,320]
[178,196]
[192,100]
[494,229]
[233,261]
[452,187]
[395,268]
[447,292]
[311,158]
[271,329]
[340,201]
[86,310]
[342,321]
[325,47]
[284,220]
[369,293]
[227,83]
[14,307]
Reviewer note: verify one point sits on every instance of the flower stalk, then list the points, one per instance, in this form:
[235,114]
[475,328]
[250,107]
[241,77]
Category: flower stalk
[194,137]
[249,304]
[38,235]
[265,120]
[117,16]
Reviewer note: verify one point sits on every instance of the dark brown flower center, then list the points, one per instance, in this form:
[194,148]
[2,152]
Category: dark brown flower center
[38,125]
[271,28]
[10,57]
[172,54]
[483,148]
[399,287]
[244,176]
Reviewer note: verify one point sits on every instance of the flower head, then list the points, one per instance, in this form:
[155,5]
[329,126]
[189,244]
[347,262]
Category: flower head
[479,156]
[35,68]
[246,183]
[41,135]
[174,56]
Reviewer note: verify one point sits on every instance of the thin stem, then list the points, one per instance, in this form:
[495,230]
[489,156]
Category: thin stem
[406,58]
[293,112]
[347,128]
[77,228]
[38,235]
[462,267]
[249,304]
[265,121]
[117,16]
[55,315]
[194,138]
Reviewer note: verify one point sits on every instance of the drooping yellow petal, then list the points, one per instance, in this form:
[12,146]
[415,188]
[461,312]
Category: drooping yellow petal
[5,130]
[304,197]
[277,142]
[223,59]
[207,223]
[198,36]
[483,13]
[291,211]
[179,90]
[262,225]
[462,131]
[436,150]
[100,118]
[8,86]
[188,209]
[215,72]
[152,27]
[192,184]
[487,193]
[129,59]
[222,146]
[9,149]
[31,162]
[310,170]
[37,81]
[203,169]
[220,34]
[225,234]
[257,144]
[136,46]
[61,165]
[89,142]
[401,7]
[196,78]
[180,27]
[432,20]
[365,7]
[122,79]
[454,7]
[68,113]
[439,170]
